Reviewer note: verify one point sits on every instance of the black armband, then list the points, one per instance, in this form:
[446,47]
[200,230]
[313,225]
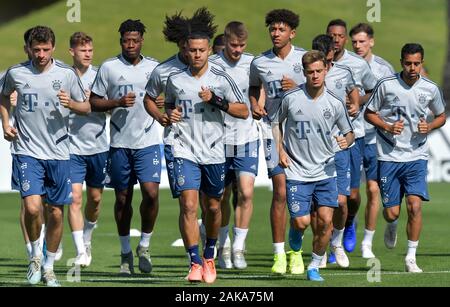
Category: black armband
[221,103]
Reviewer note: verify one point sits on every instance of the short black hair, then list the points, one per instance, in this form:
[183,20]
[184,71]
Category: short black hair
[337,22]
[130,25]
[323,43]
[26,35]
[41,34]
[201,25]
[362,27]
[282,15]
[219,40]
[175,28]
[412,48]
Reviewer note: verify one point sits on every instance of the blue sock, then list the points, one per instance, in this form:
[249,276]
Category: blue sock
[193,253]
[209,250]
[295,239]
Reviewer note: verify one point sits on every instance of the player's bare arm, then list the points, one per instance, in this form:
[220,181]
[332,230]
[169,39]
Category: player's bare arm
[81,108]
[100,104]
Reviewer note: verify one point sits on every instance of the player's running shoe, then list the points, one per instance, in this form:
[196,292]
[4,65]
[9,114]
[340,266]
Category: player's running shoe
[34,271]
[341,257]
[350,238]
[224,257]
[49,278]
[239,260]
[296,265]
[313,275]
[411,266]
[126,264]
[195,273]
[145,263]
[209,270]
[279,263]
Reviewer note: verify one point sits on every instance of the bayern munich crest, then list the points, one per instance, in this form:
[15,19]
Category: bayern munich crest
[297,68]
[56,84]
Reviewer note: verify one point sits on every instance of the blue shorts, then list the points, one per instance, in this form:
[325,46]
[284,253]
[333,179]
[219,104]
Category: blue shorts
[399,178]
[356,160]
[370,162]
[272,158]
[342,162]
[91,169]
[168,155]
[209,179]
[128,166]
[43,177]
[15,177]
[300,195]
[241,158]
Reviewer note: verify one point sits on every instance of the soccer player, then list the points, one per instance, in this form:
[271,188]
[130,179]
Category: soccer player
[218,44]
[339,80]
[365,81]
[174,31]
[15,181]
[277,70]
[398,110]
[89,154]
[241,150]
[47,91]
[311,111]
[134,150]
[362,36]
[196,98]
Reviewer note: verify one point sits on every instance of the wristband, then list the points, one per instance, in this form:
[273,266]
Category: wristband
[221,103]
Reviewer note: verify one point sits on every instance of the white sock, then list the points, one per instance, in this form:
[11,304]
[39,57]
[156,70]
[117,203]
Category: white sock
[239,238]
[78,241]
[224,238]
[368,237]
[315,262]
[125,244]
[278,248]
[28,249]
[145,239]
[42,236]
[412,248]
[49,261]
[35,249]
[336,238]
[87,231]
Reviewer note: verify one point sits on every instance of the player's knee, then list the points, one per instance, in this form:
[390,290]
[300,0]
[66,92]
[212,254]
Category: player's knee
[55,213]
[373,189]
[76,202]
[301,223]
[391,214]
[32,210]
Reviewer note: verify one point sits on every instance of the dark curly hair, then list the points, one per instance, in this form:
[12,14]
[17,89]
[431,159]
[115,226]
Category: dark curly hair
[130,25]
[201,25]
[282,15]
[175,28]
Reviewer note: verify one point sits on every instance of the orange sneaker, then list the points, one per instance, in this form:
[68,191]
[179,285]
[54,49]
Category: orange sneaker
[195,273]
[209,270]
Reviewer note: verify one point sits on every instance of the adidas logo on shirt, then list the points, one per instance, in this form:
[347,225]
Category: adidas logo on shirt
[299,112]
[121,79]
[181,92]
[26,86]
[269,73]
[396,99]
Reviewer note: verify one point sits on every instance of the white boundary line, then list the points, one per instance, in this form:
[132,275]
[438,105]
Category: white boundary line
[228,277]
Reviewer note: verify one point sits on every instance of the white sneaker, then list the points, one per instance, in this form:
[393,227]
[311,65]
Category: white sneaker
[411,266]
[81,260]
[239,260]
[390,235]
[59,253]
[366,251]
[224,257]
[323,262]
[49,279]
[34,271]
[341,257]
[88,255]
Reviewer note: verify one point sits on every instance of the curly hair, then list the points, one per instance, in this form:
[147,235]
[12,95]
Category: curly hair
[130,25]
[201,25]
[282,15]
[175,28]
